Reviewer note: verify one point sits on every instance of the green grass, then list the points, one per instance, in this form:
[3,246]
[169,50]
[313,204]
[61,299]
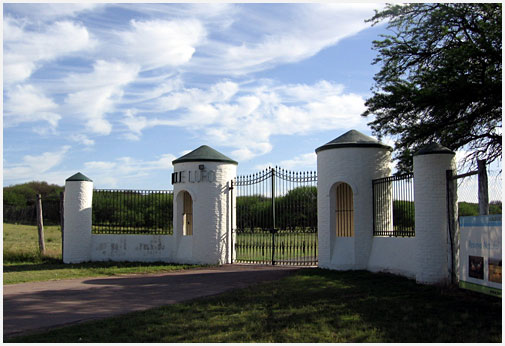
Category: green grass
[313,305]
[24,263]
[289,246]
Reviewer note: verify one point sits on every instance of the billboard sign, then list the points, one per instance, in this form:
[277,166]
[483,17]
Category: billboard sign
[480,253]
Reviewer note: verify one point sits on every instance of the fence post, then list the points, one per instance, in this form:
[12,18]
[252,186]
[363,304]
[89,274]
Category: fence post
[232,244]
[452,214]
[62,221]
[273,216]
[483,188]
[40,225]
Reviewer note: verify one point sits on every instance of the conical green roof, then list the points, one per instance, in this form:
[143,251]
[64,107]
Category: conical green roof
[353,138]
[79,177]
[434,148]
[204,153]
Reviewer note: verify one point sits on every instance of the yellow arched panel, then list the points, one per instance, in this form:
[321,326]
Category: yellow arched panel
[344,211]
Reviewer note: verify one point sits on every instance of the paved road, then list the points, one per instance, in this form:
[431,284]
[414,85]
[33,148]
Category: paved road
[41,305]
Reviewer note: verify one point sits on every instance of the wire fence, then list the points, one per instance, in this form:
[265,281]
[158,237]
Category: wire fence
[27,214]
[468,195]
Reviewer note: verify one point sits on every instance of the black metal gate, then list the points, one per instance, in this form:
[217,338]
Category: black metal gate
[276,217]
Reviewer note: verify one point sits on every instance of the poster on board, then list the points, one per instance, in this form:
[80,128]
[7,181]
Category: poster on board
[480,253]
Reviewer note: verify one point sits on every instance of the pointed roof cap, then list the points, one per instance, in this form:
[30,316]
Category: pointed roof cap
[351,139]
[434,148]
[79,177]
[204,153]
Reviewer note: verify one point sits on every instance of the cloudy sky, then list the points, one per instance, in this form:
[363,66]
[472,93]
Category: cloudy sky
[117,91]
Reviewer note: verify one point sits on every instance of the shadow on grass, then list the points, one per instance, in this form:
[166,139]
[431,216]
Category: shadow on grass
[313,305]
[54,264]
[398,309]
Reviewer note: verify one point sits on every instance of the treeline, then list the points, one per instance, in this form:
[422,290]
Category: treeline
[472,209]
[19,202]
[132,209]
[296,209]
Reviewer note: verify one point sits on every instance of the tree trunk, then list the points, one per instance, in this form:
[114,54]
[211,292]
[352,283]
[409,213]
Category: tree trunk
[483,188]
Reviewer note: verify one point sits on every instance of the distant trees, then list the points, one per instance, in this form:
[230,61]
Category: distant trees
[19,202]
[133,209]
[296,209]
[24,194]
[472,209]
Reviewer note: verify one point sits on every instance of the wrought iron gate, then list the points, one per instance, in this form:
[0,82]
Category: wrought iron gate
[276,217]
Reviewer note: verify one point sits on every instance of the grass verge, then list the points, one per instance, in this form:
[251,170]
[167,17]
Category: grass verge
[22,261]
[313,305]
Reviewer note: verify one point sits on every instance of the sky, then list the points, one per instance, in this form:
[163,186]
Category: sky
[118,91]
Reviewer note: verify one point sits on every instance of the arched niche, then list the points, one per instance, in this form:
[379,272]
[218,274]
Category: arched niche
[185,206]
[343,202]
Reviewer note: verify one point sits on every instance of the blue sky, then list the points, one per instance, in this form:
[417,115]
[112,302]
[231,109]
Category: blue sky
[117,91]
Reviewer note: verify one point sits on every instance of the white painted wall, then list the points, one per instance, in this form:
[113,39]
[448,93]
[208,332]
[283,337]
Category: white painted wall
[211,240]
[356,166]
[77,221]
[393,255]
[210,243]
[132,247]
[430,196]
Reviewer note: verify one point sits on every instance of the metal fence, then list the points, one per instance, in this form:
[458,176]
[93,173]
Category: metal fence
[276,217]
[27,215]
[132,212]
[393,206]
[468,192]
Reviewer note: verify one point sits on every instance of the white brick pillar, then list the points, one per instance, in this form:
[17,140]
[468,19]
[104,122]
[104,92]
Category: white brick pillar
[77,219]
[202,178]
[353,159]
[430,196]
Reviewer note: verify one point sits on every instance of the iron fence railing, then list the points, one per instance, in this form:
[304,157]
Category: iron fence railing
[276,218]
[132,212]
[393,206]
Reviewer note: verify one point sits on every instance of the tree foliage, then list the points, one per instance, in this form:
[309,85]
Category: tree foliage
[26,194]
[132,209]
[19,202]
[440,78]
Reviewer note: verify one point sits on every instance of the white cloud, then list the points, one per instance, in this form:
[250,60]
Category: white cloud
[139,67]
[82,139]
[301,162]
[26,103]
[33,167]
[126,169]
[98,93]
[303,31]
[25,50]
[308,161]
[245,118]
[159,43]
[50,11]
[188,98]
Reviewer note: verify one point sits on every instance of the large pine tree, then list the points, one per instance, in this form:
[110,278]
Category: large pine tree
[440,78]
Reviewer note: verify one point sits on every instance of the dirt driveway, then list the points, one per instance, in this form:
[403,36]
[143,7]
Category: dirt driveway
[41,305]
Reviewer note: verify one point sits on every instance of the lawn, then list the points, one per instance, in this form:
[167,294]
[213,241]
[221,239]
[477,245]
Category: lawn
[290,245]
[23,263]
[313,305]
